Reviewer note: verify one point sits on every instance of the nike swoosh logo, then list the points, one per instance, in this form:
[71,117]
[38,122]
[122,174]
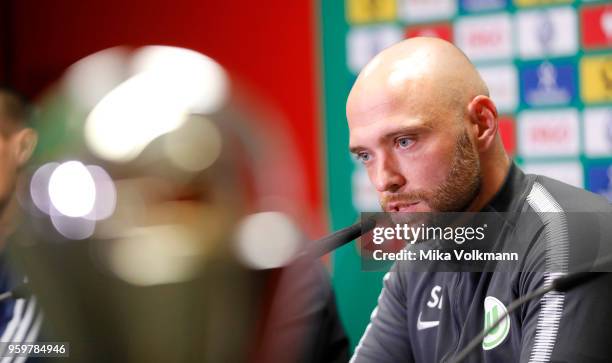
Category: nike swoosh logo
[422,325]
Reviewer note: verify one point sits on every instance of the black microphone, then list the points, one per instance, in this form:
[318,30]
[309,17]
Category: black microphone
[317,249]
[561,284]
[568,282]
[339,238]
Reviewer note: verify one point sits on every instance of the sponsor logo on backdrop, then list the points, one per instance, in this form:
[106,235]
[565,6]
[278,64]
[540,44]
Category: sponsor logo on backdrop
[508,134]
[542,26]
[540,2]
[443,31]
[502,82]
[485,37]
[548,83]
[423,10]
[548,32]
[482,5]
[568,172]
[596,78]
[549,133]
[363,43]
[596,24]
[600,180]
[368,11]
[598,131]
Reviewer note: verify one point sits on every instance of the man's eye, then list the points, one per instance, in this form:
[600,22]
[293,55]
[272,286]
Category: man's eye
[404,142]
[363,157]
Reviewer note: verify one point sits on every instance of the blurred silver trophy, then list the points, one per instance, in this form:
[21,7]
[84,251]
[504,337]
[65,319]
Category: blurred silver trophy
[158,218]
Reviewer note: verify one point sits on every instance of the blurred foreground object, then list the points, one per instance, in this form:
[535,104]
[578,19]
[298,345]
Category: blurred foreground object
[159,219]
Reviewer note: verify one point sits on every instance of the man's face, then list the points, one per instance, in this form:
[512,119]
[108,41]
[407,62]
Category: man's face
[418,155]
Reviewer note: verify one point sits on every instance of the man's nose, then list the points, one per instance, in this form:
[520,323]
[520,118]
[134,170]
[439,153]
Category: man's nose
[388,176]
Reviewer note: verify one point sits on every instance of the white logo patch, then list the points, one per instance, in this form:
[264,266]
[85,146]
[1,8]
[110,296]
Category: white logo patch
[494,309]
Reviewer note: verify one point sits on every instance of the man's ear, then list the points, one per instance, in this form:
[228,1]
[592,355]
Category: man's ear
[483,114]
[23,143]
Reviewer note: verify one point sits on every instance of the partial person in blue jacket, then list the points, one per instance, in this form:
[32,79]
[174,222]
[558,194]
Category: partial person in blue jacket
[20,318]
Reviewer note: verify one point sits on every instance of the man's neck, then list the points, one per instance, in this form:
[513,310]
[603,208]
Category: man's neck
[494,173]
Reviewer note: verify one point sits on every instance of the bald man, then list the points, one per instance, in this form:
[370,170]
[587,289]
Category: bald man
[422,123]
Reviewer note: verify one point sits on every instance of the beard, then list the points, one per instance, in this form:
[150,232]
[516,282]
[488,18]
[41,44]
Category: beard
[459,188]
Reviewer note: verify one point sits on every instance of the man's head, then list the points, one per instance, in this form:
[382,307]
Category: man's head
[17,141]
[422,123]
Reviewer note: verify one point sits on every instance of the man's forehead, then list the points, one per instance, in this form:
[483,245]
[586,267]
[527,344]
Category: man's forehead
[393,108]
[376,102]
[399,89]
[365,111]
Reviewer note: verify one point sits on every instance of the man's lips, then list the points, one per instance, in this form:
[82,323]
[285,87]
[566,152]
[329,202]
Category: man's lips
[402,206]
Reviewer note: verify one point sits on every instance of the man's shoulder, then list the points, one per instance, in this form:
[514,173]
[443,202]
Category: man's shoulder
[567,197]
[568,227]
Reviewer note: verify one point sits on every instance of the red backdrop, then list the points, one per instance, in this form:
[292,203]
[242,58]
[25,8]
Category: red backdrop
[269,45]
